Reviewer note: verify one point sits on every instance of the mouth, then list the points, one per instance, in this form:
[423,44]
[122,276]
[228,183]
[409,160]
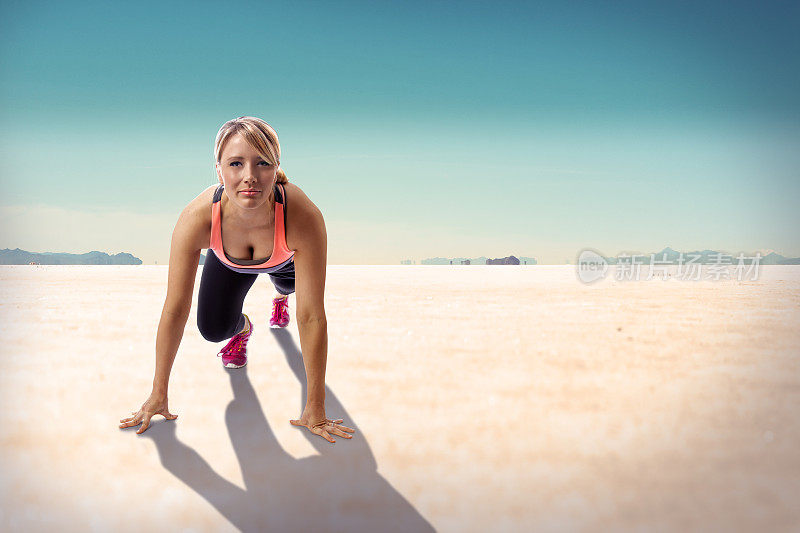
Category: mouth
[249,192]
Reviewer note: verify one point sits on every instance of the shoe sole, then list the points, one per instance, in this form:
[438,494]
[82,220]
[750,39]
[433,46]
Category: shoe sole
[231,365]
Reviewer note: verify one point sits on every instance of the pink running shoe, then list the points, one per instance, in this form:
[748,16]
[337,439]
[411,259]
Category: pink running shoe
[280,312]
[234,354]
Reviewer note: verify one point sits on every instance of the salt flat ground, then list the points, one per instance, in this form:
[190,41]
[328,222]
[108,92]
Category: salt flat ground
[485,398]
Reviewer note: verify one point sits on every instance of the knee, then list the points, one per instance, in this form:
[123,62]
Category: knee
[213,331]
[284,286]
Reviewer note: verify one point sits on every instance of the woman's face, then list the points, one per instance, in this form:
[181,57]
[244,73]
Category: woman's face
[242,168]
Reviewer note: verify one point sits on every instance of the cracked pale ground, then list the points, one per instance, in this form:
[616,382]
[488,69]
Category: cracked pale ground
[485,398]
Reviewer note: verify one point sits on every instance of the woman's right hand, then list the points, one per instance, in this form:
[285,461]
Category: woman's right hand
[155,405]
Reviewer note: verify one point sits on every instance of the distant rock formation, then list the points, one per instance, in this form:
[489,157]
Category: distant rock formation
[510,260]
[435,261]
[778,259]
[22,257]
[469,261]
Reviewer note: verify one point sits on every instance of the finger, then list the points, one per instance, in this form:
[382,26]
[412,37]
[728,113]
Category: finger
[145,425]
[333,422]
[168,415]
[336,431]
[345,428]
[132,421]
[296,423]
[319,430]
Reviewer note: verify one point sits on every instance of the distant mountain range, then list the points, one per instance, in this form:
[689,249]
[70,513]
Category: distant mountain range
[665,256]
[22,257]
[705,257]
[457,261]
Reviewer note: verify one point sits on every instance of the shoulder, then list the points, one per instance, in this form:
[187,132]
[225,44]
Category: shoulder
[201,204]
[299,204]
[196,216]
[304,219]
[297,198]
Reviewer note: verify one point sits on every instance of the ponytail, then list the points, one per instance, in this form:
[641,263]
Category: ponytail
[281,176]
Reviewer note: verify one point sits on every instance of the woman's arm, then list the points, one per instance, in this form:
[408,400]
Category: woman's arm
[188,238]
[310,260]
[184,256]
[310,263]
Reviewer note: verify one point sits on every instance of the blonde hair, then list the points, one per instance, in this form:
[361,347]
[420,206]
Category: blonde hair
[259,135]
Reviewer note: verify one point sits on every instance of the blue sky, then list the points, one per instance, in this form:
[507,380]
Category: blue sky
[420,129]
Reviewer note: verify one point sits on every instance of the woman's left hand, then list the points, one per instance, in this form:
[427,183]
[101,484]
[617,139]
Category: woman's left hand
[315,420]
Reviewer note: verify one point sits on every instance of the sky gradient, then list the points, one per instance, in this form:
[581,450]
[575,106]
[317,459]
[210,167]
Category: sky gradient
[420,129]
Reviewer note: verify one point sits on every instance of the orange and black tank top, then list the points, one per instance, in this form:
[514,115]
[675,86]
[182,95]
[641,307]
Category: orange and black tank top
[281,255]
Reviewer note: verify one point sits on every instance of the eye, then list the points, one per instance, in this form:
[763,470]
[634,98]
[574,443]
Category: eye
[262,161]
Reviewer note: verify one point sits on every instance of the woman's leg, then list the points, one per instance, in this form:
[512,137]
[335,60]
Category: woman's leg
[220,300]
[283,279]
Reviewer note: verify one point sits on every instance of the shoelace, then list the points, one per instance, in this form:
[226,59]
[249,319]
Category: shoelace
[279,308]
[236,345]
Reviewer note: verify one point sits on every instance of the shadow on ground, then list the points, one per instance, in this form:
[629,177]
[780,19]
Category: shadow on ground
[337,490]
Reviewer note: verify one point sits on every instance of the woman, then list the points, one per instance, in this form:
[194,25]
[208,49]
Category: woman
[251,208]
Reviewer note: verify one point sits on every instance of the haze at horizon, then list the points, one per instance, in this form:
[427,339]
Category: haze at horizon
[420,130]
